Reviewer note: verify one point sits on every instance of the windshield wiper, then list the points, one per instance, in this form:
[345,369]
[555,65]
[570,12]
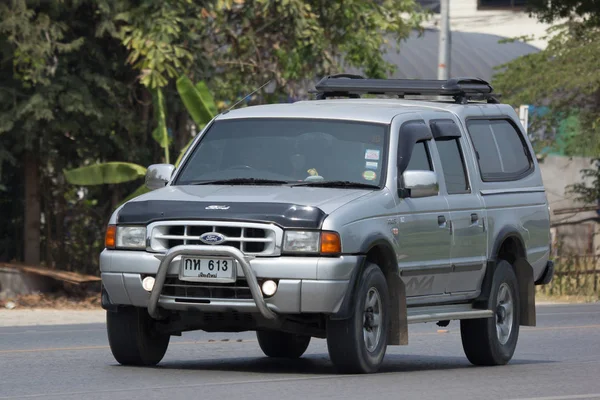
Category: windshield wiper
[348,184]
[241,181]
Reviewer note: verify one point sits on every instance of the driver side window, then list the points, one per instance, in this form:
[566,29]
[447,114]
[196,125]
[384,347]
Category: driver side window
[420,159]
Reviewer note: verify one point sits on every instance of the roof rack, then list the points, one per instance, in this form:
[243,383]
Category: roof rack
[462,90]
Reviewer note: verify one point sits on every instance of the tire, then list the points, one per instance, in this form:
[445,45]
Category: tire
[483,342]
[346,341]
[281,344]
[131,337]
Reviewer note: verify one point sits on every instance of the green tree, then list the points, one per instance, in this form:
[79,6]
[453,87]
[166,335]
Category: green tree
[62,80]
[81,83]
[235,45]
[548,11]
[201,106]
[245,41]
[565,78]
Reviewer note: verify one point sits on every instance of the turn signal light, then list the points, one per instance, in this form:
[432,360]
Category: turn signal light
[330,243]
[110,239]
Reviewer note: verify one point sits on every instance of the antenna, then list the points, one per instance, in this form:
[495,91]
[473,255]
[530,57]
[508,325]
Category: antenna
[248,95]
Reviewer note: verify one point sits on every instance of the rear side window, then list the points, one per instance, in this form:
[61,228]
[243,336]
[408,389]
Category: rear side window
[453,165]
[501,151]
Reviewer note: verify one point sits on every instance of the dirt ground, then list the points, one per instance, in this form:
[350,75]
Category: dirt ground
[55,301]
[52,309]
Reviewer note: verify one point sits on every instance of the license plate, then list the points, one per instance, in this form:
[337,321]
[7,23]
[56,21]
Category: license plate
[213,269]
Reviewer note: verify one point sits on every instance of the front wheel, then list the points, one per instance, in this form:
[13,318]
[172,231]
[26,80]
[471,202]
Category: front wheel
[358,344]
[492,341]
[132,339]
[281,344]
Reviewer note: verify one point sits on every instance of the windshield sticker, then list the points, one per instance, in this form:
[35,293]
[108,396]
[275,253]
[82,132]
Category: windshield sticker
[376,139]
[372,154]
[371,165]
[369,175]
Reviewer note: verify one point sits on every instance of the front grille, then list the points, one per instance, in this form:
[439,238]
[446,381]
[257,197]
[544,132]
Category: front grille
[204,290]
[250,238]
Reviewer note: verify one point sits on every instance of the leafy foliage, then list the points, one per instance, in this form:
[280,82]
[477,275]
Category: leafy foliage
[66,97]
[588,191]
[160,133]
[197,100]
[38,40]
[295,41]
[564,77]
[550,11]
[238,44]
[201,106]
[93,82]
[162,38]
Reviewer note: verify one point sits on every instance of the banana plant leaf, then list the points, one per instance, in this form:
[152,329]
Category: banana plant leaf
[160,133]
[183,152]
[208,99]
[197,100]
[99,174]
[138,192]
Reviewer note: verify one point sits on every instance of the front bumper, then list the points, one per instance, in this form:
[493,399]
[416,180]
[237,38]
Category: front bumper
[305,284]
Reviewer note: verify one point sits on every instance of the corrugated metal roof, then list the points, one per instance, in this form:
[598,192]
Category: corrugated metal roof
[472,54]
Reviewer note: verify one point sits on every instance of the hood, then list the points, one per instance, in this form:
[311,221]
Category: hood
[327,199]
[287,206]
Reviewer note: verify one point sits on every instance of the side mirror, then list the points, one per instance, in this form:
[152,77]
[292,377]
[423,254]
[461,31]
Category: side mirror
[158,175]
[419,184]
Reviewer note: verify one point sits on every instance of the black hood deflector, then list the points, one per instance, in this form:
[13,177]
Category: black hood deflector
[282,214]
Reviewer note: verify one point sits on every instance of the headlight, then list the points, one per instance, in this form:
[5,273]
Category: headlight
[325,243]
[131,237]
[301,242]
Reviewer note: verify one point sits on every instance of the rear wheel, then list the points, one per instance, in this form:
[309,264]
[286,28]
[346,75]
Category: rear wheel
[358,344]
[132,339]
[492,341]
[281,344]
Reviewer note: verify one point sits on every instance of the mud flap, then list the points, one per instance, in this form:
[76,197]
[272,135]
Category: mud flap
[524,273]
[398,334]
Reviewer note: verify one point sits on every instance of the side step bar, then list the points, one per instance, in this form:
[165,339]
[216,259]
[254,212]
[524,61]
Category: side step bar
[445,313]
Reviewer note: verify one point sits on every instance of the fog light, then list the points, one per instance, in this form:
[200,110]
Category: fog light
[148,283]
[269,288]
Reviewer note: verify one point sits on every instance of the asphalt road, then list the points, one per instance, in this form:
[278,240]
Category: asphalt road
[558,359]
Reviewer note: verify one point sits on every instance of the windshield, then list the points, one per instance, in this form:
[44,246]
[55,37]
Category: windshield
[288,151]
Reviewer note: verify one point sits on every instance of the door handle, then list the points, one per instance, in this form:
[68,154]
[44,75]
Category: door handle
[441,221]
[474,218]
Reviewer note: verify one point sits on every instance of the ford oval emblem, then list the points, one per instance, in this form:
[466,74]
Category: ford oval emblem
[212,238]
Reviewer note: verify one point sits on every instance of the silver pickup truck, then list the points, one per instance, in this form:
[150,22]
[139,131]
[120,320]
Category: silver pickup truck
[344,217]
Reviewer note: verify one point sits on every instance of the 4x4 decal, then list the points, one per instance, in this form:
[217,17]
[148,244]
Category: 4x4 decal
[419,284]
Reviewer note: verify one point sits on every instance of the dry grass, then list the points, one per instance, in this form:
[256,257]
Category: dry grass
[574,299]
[576,278]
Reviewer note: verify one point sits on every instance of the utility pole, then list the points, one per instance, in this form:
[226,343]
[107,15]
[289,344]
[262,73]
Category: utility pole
[444,45]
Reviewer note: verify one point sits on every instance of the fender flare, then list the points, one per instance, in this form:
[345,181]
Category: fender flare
[523,271]
[505,233]
[398,330]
